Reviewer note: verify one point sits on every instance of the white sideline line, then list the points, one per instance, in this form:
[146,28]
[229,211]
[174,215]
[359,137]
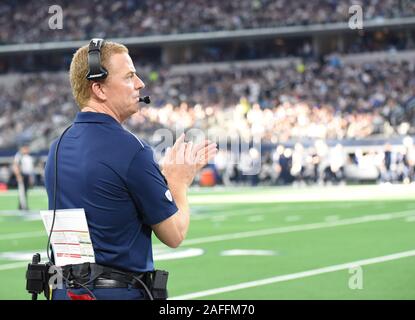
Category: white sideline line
[341,193]
[294,276]
[300,227]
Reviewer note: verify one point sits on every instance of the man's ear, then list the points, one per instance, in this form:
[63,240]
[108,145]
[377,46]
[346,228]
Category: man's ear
[97,90]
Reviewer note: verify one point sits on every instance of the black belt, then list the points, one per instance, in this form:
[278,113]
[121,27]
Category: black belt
[103,276]
[102,283]
[99,276]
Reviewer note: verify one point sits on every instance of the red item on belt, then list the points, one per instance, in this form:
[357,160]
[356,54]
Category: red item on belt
[74,296]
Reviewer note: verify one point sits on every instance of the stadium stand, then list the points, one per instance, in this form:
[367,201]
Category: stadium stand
[174,17]
[332,100]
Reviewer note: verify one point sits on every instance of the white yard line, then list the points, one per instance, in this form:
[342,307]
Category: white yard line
[300,227]
[280,209]
[311,194]
[294,276]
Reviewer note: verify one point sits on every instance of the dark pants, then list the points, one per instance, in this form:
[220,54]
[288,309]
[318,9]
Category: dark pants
[102,294]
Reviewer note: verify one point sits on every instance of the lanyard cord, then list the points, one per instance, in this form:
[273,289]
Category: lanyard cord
[55,185]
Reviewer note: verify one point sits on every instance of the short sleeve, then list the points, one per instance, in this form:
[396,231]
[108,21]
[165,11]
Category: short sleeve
[149,189]
[17,158]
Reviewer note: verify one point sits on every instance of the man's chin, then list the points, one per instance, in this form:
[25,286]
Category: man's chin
[131,110]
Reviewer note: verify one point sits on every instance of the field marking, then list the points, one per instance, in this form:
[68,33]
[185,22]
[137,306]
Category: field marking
[159,255]
[18,213]
[285,194]
[255,218]
[254,233]
[239,212]
[249,212]
[293,276]
[214,210]
[332,218]
[14,193]
[23,235]
[293,218]
[281,209]
[13,265]
[244,252]
[247,234]
[300,227]
[312,194]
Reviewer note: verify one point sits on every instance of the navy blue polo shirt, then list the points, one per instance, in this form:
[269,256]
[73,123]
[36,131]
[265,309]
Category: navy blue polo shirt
[109,172]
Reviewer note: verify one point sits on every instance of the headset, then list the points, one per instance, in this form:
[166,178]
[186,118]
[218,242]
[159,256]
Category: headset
[96,69]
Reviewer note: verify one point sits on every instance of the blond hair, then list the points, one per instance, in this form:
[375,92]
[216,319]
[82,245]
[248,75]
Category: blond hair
[81,87]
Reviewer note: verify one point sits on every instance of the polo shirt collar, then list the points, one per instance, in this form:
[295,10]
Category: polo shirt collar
[94,117]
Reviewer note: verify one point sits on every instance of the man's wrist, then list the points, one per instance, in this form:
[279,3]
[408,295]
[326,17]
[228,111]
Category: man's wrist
[178,188]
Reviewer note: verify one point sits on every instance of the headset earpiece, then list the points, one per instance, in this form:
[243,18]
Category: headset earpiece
[96,70]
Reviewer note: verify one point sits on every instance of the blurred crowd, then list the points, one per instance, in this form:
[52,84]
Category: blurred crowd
[275,104]
[317,163]
[27,21]
[33,108]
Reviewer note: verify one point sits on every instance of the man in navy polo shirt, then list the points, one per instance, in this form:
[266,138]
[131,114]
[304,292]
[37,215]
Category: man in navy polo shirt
[112,174]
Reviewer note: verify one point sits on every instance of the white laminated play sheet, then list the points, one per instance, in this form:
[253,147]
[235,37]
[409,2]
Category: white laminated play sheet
[71,241]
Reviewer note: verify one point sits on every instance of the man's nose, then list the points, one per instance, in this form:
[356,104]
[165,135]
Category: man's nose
[139,84]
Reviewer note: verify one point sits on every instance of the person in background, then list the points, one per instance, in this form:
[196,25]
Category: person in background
[23,167]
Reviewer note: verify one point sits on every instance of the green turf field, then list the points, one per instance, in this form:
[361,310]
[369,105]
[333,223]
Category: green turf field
[263,243]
